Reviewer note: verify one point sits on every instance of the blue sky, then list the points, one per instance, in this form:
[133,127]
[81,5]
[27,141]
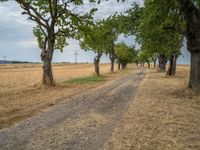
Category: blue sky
[18,43]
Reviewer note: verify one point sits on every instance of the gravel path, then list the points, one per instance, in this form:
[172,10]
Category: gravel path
[83,122]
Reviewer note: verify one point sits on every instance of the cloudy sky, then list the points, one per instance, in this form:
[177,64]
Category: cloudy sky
[18,43]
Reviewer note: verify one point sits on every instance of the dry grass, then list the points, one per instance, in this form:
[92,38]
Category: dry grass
[21,95]
[67,131]
[165,115]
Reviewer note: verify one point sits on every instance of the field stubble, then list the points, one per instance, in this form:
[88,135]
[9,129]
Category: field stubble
[165,115]
[22,95]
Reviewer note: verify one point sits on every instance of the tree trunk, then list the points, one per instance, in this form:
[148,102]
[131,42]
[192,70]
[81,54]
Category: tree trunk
[192,17]
[119,66]
[112,59]
[154,62]
[46,57]
[154,58]
[123,65]
[136,63]
[112,65]
[162,62]
[96,63]
[47,78]
[194,82]
[149,65]
[172,65]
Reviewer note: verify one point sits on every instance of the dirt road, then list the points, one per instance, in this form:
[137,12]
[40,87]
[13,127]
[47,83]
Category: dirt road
[83,122]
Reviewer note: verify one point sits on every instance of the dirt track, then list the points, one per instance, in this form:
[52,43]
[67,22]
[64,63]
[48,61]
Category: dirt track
[83,122]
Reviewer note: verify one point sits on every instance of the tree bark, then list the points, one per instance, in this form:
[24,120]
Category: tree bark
[119,65]
[47,78]
[154,62]
[112,65]
[96,63]
[194,81]
[136,63]
[46,57]
[172,65]
[162,62]
[112,59]
[123,65]
[149,65]
[192,17]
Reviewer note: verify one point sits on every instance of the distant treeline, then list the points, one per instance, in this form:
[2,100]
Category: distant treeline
[27,62]
[17,62]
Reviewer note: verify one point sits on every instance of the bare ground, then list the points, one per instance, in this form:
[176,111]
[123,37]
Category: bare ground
[81,122]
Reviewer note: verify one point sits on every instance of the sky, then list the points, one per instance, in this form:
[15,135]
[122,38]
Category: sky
[17,41]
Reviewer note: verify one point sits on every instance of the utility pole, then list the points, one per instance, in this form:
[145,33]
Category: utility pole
[76,56]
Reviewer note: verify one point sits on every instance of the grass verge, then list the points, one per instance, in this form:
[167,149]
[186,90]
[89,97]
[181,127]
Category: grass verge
[86,80]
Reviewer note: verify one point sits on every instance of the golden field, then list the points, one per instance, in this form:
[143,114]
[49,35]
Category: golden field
[21,76]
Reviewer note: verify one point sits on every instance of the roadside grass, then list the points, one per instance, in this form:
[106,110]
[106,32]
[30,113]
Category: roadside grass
[86,80]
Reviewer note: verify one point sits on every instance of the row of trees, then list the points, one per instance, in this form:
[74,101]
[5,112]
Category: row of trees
[149,25]
[159,26]
[101,37]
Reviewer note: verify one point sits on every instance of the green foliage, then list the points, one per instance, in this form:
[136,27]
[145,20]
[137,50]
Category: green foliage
[153,28]
[100,36]
[55,20]
[145,56]
[85,80]
[130,22]
[124,53]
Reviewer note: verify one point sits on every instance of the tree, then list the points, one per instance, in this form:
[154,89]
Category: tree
[100,38]
[152,34]
[191,13]
[189,10]
[55,22]
[111,33]
[125,54]
[93,38]
[145,57]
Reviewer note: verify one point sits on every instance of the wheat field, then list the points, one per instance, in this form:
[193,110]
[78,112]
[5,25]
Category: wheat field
[21,76]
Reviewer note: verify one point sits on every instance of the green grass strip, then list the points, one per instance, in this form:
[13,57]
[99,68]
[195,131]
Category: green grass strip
[84,80]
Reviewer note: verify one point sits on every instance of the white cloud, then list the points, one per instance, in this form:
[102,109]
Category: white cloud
[28,43]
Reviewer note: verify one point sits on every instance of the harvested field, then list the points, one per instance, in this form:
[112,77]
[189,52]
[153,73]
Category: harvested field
[165,115]
[22,95]
[18,77]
